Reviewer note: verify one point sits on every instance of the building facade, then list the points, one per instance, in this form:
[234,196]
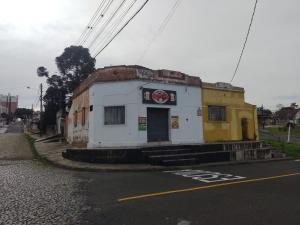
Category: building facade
[3,110]
[9,102]
[136,106]
[226,115]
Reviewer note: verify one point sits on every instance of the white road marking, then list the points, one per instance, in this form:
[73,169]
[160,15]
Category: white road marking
[297,160]
[184,222]
[205,176]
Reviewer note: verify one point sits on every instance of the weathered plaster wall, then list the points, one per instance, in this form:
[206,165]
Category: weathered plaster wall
[236,109]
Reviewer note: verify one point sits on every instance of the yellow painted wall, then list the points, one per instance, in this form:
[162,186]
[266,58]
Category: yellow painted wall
[236,109]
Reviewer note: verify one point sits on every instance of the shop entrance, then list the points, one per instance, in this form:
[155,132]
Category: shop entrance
[157,124]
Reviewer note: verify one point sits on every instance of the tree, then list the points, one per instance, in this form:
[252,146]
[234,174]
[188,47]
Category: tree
[74,65]
[23,113]
[263,115]
[42,72]
[294,105]
[287,113]
[264,112]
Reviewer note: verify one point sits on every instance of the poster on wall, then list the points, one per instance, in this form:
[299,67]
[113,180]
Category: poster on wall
[175,122]
[158,96]
[142,123]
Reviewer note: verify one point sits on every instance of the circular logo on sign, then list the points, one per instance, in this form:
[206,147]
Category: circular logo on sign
[160,96]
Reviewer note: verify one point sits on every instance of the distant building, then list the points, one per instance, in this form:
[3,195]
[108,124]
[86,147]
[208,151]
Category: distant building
[226,115]
[3,109]
[9,102]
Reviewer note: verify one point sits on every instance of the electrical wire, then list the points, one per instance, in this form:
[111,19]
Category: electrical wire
[120,30]
[245,42]
[90,22]
[114,26]
[97,22]
[107,23]
[161,29]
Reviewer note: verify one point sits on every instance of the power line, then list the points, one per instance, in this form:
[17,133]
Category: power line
[115,25]
[90,22]
[110,19]
[237,66]
[97,21]
[161,28]
[128,21]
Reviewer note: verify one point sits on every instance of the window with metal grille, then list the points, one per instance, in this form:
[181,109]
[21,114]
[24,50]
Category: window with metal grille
[114,115]
[216,113]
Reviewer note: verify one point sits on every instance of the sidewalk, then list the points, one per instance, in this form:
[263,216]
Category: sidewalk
[3,128]
[52,152]
[14,146]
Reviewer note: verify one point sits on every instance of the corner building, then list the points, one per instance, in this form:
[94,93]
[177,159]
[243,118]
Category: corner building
[125,106]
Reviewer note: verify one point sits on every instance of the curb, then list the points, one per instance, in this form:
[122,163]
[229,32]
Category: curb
[90,169]
[149,168]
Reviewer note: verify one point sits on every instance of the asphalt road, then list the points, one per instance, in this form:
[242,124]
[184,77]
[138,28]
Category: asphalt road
[259,198]
[251,194]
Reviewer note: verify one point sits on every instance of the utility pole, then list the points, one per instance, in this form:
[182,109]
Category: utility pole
[289,133]
[41,108]
[9,108]
[7,119]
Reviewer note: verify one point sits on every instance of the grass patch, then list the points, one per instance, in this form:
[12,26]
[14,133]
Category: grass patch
[284,131]
[31,141]
[290,149]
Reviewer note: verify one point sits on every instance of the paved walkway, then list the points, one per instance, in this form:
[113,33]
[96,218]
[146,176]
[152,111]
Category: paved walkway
[3,128]
[52,152]
[14,146]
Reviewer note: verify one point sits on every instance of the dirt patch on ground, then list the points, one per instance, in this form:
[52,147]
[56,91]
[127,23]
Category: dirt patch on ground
[14,146]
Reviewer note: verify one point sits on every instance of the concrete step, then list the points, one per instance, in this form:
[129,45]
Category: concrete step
[200,157]
[166,151]
[277,154]
[179,162]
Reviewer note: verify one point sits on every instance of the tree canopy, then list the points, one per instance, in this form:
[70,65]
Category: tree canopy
[74,65]
[23,113]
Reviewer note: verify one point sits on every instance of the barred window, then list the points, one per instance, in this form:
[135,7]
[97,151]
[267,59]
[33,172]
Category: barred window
[216,113]
[114,115]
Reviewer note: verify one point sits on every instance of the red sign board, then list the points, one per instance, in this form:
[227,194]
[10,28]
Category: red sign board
[158,96]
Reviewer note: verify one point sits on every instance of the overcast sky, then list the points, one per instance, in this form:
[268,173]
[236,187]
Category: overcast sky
[204,38]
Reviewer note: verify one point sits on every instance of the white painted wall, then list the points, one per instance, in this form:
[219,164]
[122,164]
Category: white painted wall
[128,93]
